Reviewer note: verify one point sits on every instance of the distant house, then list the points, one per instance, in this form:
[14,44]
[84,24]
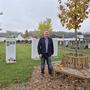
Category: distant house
[69,38]
[80,36]
[20,38]
[2,37]
[28,40]
[13,34]
[66,40]
[87,40]
[87,37]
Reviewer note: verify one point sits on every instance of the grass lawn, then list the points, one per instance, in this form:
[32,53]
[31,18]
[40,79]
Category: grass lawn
[19,72]
[63,50]
[22,70]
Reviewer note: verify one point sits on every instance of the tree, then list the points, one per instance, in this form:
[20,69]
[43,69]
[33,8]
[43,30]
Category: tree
[44,25]
[73,13]
[26,35]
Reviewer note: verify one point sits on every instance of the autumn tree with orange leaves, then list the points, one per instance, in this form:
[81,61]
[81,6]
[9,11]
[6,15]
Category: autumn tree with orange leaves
[72,13]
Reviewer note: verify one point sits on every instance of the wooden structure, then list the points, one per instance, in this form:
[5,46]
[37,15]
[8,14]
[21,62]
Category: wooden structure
[76,67]
[71,60]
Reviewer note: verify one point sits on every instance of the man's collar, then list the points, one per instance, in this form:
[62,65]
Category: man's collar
[45,38]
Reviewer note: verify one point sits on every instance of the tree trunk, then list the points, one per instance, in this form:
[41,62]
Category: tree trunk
[76,41]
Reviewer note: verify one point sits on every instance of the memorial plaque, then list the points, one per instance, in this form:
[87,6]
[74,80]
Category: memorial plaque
[10,50]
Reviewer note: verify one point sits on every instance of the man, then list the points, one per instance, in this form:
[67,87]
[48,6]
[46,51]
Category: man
[46,50]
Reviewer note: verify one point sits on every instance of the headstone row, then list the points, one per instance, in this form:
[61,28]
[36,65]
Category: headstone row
[11,49]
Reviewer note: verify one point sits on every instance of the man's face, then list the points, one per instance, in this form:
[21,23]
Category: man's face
[46,33]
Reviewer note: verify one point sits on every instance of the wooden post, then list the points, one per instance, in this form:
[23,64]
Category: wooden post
[75,62]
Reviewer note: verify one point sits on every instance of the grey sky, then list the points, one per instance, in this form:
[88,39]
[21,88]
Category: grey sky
[26,14]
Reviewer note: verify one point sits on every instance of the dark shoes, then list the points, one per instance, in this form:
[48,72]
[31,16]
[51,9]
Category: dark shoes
[42,73]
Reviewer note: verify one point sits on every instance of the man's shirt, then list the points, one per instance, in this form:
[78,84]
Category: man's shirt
[46,44]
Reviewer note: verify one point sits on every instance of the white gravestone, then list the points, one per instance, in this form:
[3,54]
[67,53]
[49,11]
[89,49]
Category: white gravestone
[89,45]
[34,48]
[10,50]
[35,44]
[55,44]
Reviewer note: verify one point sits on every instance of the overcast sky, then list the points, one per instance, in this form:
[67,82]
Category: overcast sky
[19,15]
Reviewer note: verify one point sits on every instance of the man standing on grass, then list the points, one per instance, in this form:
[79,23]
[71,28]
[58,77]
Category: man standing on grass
[45,51]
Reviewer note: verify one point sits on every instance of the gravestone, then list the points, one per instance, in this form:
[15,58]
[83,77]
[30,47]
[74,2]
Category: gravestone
[10,50]
[89,45]
[34,48]
[55,44]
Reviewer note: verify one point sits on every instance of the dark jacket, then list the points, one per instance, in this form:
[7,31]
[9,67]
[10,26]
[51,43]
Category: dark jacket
[42,49]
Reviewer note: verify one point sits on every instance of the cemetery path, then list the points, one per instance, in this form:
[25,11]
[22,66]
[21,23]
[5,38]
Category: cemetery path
[38,82]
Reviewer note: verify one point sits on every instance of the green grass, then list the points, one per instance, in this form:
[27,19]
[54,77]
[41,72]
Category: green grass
[63,50]
[22,70]
[19,72]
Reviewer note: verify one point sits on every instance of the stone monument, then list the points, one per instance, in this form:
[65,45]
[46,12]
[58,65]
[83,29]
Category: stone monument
[10,50]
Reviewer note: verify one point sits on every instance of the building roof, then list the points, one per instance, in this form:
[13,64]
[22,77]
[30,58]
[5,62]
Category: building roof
[19,37]
[2,34]
[87,36]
